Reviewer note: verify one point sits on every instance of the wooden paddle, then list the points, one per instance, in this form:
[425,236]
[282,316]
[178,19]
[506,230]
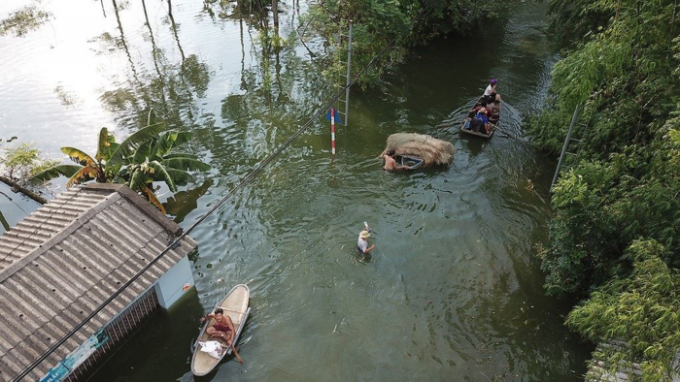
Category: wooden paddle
[446,124]
[509,134]
[238,357]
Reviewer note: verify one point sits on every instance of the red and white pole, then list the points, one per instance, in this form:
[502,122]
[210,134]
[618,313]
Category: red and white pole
[333,131]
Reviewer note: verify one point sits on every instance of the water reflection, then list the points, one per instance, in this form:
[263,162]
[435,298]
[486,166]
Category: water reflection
[182,203]
[24,20]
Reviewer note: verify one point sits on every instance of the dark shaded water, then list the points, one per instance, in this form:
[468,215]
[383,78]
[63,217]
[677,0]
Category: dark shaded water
[452,291]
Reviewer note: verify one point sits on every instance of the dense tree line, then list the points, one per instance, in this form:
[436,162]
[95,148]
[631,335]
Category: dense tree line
[614,236]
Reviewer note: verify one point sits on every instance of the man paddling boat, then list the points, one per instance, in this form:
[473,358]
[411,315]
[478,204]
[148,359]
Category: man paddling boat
[223,329]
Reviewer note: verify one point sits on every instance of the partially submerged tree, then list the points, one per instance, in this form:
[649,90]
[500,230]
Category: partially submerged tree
[23,161]
[141,159]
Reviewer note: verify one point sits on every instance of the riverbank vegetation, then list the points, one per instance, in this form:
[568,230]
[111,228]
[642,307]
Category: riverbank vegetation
[617,212]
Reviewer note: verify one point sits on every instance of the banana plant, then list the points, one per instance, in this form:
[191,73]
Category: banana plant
[141,159]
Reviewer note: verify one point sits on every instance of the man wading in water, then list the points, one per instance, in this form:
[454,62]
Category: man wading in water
[390,163]
[362,243]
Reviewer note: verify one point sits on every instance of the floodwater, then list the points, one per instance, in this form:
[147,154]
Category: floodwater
[453,291]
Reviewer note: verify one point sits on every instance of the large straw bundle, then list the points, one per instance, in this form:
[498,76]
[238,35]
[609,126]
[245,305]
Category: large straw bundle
[432,151]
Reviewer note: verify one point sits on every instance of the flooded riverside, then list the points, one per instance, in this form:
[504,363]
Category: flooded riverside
[453,291]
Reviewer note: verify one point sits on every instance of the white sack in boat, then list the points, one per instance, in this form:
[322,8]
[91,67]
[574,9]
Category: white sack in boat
[213,348]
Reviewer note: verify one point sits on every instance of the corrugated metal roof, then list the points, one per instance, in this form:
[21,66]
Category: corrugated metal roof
[60,263]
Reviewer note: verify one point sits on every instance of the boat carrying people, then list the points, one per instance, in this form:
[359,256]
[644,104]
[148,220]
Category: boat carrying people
[413,151]
[482,119]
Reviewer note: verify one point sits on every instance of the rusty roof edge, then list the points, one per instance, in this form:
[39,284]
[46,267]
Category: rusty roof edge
[141,203]
[68,230]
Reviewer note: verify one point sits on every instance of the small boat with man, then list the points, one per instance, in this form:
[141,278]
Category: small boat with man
[222,329]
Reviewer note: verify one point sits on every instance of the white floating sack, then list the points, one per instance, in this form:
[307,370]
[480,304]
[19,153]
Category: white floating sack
[213,348]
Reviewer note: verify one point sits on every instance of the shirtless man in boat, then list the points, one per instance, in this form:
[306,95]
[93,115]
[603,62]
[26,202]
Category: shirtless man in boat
[390,163]
[223,327]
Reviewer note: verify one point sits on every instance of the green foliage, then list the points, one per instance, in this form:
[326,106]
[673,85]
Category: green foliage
[617,212]
[576,20]
[641,310]
[23,161]
[624,181]
[143,158]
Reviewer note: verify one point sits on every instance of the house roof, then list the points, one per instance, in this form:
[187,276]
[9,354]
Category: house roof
[64,260]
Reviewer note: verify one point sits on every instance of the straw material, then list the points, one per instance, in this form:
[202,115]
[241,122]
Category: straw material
[432,151]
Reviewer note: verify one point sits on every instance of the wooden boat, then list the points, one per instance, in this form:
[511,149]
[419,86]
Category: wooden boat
[493,119]
[410,162]
[492,127]
[235,304]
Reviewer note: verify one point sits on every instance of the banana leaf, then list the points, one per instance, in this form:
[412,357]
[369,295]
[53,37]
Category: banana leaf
[55,172]
[107,145]
[167,141]
[133,142]
[78,156]
[146,191]
[143,153]
[82,176]
[159,173]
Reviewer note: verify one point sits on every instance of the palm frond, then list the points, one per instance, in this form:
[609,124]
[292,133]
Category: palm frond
[78,156]
[55,172]
[186,164]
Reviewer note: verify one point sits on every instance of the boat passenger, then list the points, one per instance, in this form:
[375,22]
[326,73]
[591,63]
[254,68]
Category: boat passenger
[362,243]
[390,163]
[482,121]
[490,92]
[223,327]
[482,104]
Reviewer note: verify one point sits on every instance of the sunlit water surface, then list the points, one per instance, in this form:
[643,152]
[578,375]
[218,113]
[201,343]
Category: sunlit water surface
[452,292]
